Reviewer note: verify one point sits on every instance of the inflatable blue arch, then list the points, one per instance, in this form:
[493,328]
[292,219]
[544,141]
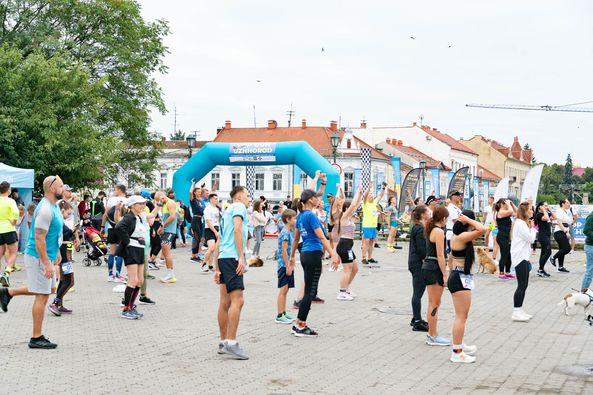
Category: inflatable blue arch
[211,155]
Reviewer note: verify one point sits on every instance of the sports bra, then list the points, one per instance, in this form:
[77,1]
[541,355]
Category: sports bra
[459,254]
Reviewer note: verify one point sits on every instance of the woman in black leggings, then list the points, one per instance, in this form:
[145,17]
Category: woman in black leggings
[66,272]
[505,209]
[523,237]
[563,222]
[314,241]
[420,216]
[543,221]
[197,222]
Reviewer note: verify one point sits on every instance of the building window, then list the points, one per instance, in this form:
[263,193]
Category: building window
[259,181]
[348,183]
[235,179]
[215,181]
[163,181]
[348,143]
[277,181]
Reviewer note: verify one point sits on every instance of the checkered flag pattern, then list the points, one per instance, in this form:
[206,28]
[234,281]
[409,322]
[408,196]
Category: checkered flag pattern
[365,159]
[251,180]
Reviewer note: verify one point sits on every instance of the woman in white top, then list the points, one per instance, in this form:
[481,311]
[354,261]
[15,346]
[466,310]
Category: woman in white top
[259,223]
[489,220]
[211,232]
[563,221]
[523,235]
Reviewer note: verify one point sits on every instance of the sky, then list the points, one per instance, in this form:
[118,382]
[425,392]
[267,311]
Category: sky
[353,60]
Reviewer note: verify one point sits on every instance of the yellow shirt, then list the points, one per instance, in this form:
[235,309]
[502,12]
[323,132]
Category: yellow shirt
[8,211]
[370,214]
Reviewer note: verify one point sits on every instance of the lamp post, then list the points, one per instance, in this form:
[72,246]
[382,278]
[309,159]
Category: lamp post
[335,141]
[422,171]
[191,143]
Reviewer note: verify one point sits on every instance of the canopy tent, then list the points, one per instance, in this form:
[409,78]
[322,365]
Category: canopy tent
[21,179]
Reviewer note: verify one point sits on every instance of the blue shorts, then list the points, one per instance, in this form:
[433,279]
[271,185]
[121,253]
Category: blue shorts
[369,233]
[283,279]
[495,232]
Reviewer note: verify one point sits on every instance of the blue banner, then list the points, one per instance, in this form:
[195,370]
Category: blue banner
[357,180]
[380,178]
[436,181]
[396,163]
[476,194]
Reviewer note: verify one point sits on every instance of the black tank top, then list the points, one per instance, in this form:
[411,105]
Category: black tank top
[504,226]
[431,249]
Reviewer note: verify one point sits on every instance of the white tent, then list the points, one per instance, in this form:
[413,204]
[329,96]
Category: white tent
[21,179]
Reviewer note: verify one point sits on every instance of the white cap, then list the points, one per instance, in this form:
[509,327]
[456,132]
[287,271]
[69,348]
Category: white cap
[135,199]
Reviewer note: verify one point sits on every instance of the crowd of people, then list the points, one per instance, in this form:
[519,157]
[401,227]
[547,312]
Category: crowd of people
[142,228]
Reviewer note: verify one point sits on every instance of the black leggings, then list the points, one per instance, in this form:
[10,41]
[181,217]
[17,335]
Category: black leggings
[66,282]
[155,245]
[504,243]
[311,261]
[197,228]
[546,251]
[563,247]
[522,272]
[182,233]
[419,287]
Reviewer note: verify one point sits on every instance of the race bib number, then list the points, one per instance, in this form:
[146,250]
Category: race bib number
[467,280]
[351,255]
[67,268]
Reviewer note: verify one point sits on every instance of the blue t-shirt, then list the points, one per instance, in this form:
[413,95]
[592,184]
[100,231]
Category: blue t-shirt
[280,224]
[307,222]
[285,235]
[227,248]
[48,217]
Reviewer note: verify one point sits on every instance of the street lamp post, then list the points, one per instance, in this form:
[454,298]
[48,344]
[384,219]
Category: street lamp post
[191,143]
[422,175]
[335,141]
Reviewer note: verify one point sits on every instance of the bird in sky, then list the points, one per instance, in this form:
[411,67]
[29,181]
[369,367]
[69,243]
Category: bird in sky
[322,49]
[412,38]
[258,80]
[450,46]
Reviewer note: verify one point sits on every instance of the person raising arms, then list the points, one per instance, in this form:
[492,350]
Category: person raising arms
[504,210]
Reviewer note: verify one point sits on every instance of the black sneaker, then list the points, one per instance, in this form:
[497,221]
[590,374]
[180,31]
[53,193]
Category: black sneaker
[373,261]
[365,262]
[41,342]
[542,273]
[420,326]
[194,259]
[562,270]
[412,321]
[296,304]
[305,332]
[377,245]
[4,299]
[145,300]
[553,261]
[317,299]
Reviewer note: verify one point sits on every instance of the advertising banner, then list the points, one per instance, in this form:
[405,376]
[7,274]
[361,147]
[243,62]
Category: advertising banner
[252,152]
[409,190]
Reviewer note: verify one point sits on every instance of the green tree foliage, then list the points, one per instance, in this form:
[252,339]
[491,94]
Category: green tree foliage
[113,55]
[549,187]
[178,135]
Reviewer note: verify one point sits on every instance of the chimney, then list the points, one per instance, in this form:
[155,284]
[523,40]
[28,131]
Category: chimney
[516,139]
[218,130]
[304,124]
[333,125]
[414,124]
[272,124]
[363,124]
[163,139]
[227,124]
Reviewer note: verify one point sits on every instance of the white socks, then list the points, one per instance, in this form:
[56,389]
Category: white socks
[231,342]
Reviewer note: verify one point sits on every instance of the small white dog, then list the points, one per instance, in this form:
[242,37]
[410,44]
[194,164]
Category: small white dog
[571,300]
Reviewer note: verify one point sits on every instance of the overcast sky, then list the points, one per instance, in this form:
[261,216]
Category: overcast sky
[501,52]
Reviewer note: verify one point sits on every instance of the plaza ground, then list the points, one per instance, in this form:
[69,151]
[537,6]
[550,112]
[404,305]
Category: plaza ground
[359,350]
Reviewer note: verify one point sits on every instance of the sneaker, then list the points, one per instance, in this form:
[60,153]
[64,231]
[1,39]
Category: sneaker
[437,341]
[283,320]
[18,268]
[377,245]
[318,300]
[296,304]
[4,299]
[235,351]
[169,279]
[344,296]
[542,273]
[145,300]
[364,262]
[305,332]
[510,276]
[562,270]
[129,315]
[469,350]
[64,310]
[372,261]
[462,357]
[553,261]
[194,259]
[41,342]
[503,277]
[248,251]
[288,316]
[519,316]
[153,266]
[419,326]
[116,279]
[54,309]
[205,268]
[135,312]
[390,249]
[150,277]
[5,280]
[221,348]
[529,316]
[161,263]
[9,269]
[110,278]
[349,292]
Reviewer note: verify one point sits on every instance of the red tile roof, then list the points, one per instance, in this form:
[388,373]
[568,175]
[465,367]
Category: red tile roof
[318,137]
[180,144]
[416,154]
[445,138]
[486,174]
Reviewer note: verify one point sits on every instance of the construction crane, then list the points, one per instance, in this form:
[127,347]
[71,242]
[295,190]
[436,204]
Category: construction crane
[564,108]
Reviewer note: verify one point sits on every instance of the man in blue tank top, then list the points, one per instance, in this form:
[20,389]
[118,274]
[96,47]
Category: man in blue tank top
[41,255]
[169,211]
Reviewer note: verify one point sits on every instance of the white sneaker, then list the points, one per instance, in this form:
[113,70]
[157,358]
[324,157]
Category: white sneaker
[469,350]
[344,296]
[110,278]
[519,316]
[462,357]
[349,292]
[248,251]
[161,263]
[116,279]
[529,316]
[205,268]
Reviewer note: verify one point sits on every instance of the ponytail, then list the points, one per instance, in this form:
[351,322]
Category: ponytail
[439,214]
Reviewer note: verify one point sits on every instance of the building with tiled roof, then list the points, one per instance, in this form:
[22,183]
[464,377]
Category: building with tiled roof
[513,162]
[174,155]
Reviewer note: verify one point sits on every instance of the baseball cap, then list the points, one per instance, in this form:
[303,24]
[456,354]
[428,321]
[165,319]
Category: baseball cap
[67,187]
[145,193]
[308,194]
[135,199]
[431,199]
[455,193]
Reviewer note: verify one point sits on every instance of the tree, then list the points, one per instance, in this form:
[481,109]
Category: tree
[118,52]
[178,135]
[526,147]
[549,187]
[568,177]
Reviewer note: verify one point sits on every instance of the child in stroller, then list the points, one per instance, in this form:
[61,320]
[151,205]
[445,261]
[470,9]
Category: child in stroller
[96,246]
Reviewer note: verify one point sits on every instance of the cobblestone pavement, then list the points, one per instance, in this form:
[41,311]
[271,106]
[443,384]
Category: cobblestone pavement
[359,350]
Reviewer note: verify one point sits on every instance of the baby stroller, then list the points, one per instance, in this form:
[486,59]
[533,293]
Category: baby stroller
[96,247]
